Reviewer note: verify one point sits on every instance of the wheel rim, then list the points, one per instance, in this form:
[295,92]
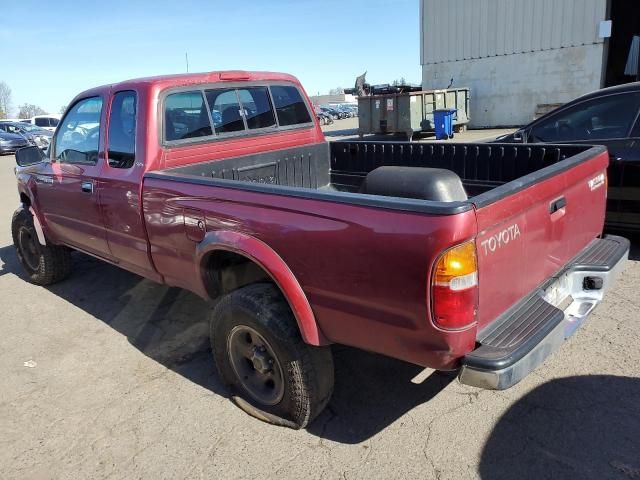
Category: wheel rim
[255,365]
[28,248]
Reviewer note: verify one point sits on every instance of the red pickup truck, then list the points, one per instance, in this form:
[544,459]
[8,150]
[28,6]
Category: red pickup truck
[480,258]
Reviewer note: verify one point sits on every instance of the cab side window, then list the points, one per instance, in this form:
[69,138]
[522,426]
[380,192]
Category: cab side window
[597,119]
[78,136]
[122,130]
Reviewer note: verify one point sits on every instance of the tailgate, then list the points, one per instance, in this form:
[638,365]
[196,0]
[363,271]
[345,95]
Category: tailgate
[527,235]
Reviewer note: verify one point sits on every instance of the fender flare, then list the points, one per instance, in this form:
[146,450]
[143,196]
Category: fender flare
[263,255]
[38,227]
[37,220]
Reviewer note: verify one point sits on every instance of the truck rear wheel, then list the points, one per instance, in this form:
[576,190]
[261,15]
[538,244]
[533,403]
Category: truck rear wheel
[259,353]
[44,264]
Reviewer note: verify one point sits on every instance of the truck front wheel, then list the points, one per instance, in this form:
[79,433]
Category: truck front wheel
[261,357]
[44,264]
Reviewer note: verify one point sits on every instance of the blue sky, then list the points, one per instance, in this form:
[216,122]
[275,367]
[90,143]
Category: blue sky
[63,47]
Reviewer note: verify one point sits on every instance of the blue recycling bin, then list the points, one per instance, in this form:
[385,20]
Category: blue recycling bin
[443,121]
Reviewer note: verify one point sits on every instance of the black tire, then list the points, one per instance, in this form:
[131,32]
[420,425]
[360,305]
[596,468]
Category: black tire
[301,373]
[44,265]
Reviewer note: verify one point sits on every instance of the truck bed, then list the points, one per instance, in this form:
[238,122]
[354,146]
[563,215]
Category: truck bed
[336,170]
[365,261]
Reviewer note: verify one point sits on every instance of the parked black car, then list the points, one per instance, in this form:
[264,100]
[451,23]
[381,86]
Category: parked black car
[336,114]
[10,142]
[324,118]
[607,117]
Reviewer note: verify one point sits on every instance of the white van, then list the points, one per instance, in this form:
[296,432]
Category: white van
[49,121]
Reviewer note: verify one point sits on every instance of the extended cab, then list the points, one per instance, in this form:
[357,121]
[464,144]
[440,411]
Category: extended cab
[480,258]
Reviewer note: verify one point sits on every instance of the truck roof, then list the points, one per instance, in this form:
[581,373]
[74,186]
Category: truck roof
[162,82]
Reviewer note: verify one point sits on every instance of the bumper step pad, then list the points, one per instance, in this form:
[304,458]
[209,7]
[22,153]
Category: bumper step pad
[519,341]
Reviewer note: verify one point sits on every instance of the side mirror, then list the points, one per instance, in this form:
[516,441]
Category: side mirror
[29,156]
[518,136]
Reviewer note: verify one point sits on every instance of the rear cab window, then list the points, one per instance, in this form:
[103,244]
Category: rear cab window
[186,116]
[213,112]
[290,107]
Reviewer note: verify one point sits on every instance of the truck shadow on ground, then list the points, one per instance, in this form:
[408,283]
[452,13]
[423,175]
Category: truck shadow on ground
[170,325]
[585,427]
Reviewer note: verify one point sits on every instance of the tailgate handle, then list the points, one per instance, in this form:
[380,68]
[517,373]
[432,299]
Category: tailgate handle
[557,205]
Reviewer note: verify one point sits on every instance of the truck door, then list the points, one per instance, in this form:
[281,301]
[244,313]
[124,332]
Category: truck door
[68,188]
[121,184]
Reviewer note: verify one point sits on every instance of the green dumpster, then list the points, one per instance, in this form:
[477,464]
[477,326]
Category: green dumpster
[412,112]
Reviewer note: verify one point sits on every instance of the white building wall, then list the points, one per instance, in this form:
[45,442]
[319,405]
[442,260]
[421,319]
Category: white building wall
[513,54]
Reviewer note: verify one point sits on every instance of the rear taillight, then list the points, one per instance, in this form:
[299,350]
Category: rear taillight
[454,287]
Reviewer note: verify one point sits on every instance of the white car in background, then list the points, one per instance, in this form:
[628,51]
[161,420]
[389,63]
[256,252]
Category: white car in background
[49,121]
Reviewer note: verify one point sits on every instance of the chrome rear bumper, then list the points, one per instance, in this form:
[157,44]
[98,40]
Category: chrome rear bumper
[523,338]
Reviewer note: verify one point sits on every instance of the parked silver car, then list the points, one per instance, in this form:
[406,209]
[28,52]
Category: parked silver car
[10,142]
[35,135]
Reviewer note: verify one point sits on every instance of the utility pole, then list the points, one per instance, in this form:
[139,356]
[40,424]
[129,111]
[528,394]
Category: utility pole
[186,59]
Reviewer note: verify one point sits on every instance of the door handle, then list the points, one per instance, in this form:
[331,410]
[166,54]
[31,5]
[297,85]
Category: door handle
[557,205]
[87,187]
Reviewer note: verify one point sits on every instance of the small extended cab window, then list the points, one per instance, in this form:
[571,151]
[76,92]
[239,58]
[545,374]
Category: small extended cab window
[42,122]
[122,130]
[185,116]
[78,138]
[290,106]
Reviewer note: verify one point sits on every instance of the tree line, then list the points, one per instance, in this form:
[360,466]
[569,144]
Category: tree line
[26,110]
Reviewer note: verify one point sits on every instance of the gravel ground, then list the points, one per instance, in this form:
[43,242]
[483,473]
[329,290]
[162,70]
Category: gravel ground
[107,375]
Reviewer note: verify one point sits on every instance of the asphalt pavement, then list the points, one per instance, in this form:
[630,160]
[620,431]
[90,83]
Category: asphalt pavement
[108,375]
